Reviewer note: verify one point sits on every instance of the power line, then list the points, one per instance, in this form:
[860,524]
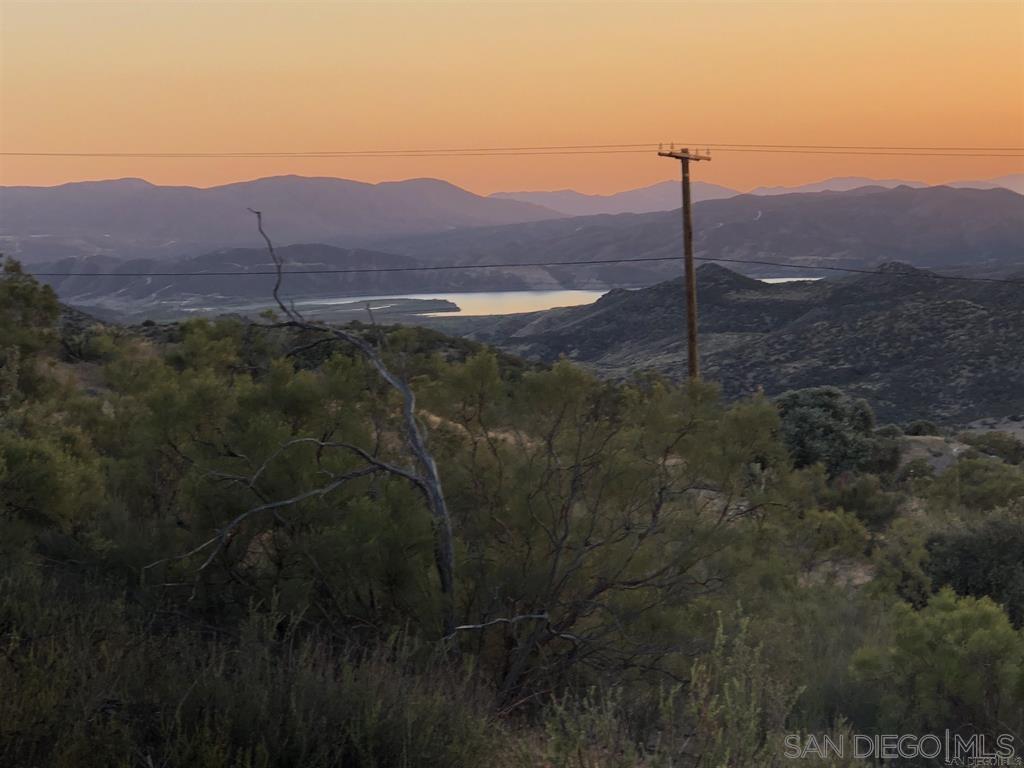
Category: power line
[874,146]
[327,152]
[520,265]
[870,153]
[564,149]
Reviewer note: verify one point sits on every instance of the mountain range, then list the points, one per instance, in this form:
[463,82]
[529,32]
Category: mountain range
[977,232]
[934,227]
[132,218]
[242,279]
[913,345]
[1013,182]
[666,195]
[663,196]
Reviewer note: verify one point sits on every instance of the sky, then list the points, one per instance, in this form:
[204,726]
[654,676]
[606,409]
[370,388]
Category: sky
[296,76]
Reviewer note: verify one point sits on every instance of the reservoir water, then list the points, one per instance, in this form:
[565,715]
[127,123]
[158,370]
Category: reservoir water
[473,303]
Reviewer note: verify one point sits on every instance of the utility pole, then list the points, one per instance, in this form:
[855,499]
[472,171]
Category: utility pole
[684,156]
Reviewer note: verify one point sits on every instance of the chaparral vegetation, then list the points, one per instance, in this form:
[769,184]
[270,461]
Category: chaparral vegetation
[223,545]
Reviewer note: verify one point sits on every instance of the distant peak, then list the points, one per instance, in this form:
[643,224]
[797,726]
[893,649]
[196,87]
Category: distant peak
[128,181]
[424,180]
[716,275]
[901,268]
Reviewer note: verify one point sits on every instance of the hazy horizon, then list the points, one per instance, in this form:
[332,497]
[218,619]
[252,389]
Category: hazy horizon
[157,77]
[555,189]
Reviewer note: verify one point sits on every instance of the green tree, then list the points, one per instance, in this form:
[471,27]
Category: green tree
[983,557]
[957,663]
[28,316]
[822,425]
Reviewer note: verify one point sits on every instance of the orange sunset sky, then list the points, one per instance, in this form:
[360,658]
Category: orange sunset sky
[294,76]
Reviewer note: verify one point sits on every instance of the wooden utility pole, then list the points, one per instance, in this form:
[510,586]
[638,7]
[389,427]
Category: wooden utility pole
[684,156]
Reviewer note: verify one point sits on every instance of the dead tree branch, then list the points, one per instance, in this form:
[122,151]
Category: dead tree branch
[427,477]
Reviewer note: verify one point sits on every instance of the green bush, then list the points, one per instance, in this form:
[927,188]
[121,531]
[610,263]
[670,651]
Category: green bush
[864,497]
[977,485]
[1000,444]
[28,318]
[923,427]
[822,425]
[956,661]
[983,558]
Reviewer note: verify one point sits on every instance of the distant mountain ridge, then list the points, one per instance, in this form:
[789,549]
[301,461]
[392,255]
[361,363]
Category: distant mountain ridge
[934,227]
[966,231]
[912,345]
[233,277]
[131,217]
[663,196]
[1013,182]
[838,184]
[666,195]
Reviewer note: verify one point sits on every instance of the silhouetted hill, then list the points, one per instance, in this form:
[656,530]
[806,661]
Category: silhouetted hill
[131,217]
[934,227]
[913,345]
[1013,181]
[967,231]
[663,196]
[838,184]
[164,288]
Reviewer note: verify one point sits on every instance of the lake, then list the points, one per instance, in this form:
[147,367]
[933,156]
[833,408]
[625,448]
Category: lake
[473,303]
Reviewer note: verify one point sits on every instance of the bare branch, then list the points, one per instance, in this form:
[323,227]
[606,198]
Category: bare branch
[492,622]
[222,536]
[429,478]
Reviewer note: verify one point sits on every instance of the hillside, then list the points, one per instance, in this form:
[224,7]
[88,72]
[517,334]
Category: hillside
[217,532]
[663,196]
[961,231]
[838,184]
[131,217]
[237,280]
[913,346]
[934,227]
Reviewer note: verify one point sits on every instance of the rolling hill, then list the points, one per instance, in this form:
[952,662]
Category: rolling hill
[912,345]
[663,196]
[967,231]
[133,218]
[236,279]
[933,227]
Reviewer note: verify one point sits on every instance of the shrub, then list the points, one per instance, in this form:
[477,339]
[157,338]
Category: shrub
[864,496]
[983,558]
[822,425]
[28,316]
[956,661]
[977,484]
[922,427]
[1002,445]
